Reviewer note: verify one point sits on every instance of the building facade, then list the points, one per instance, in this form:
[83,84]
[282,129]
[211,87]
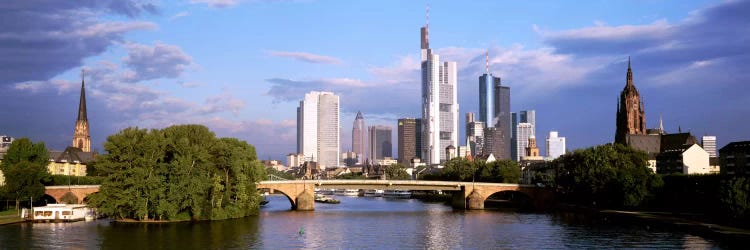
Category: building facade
[439,103]
[71,161]
[320,139]
[359,138]
[734,158]
[525,130]
[687,159]
[709,144]
[555,145]
[381,144]
[409,140]
[631,117]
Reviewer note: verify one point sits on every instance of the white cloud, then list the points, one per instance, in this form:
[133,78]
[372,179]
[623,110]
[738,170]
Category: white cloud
[306,57]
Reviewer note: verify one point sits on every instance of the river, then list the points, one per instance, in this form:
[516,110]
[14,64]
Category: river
[358,223]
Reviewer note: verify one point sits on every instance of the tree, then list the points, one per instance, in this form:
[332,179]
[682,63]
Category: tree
[606,175]
[25,169]
[735,197]
[503,171]
[180,172]
[458,169]
[396,172]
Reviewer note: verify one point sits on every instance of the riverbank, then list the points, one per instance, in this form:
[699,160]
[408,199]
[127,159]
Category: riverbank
[666,220]
[10,217]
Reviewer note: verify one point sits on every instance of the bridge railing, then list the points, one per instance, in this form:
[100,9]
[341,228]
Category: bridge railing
[276,178]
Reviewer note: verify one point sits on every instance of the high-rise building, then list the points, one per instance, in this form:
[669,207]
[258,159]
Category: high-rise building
[409,140]
[555,145]
[631,118]
[81,137]
[319,115]
[439,103]
[488,112]
[381,144]
[359,138]
[709,144]
[525,130]
[522,137]
[514,136]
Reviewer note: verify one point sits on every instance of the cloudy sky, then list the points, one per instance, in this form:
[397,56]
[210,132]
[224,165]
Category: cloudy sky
[241,67]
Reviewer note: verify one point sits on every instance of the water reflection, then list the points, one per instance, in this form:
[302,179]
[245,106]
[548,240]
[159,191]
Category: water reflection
[358,223]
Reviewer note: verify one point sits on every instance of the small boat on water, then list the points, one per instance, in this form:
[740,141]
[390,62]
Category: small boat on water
[347,192]
[324,191]
[325,199]
[374,193]
[62,212]
[400,194]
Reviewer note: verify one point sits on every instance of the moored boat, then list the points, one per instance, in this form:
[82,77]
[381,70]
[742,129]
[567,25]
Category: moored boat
[374,193]
[325,199]
[62,212]
[400,194]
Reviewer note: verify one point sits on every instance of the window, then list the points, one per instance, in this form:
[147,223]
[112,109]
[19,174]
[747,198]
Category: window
[67,212]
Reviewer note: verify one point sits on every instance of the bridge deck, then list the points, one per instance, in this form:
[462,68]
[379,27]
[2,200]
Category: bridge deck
[391,184]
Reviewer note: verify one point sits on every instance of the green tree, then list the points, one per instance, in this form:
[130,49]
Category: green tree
[503,171]
[25,169]
[606,175]
[396,172]
[458,169]
[735,197]
[180,172]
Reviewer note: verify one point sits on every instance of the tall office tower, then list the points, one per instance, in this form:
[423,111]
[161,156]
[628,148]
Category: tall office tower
[709,144]
[359,138]
[319,116]
[555,145]
[525,130]
[525,116]
[513,136]
[439,103]
[502,120]
[529,116]
[381,144]
[474,134]
[81,137]
[409,140]
[631,117]
[488,111]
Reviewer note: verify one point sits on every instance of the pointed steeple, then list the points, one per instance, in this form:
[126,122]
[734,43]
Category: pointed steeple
[661,125]
[629,77]
[359,116]
[82,103]
[81,137]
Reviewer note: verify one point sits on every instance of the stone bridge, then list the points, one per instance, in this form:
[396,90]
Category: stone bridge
[466,195]
[79,192]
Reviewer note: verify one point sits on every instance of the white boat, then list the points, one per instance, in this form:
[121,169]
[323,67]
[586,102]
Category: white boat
[374,192]
[62,212]
[351,192]
[401,194]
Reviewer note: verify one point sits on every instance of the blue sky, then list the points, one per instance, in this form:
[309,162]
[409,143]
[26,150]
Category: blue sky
[240,67]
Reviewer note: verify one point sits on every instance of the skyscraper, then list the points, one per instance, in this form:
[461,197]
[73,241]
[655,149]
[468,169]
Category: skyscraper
[514,136]
[359,138]
[81,137]
[381,144]
[474,134]
[631,118]
[527,117]
[525,130]
[709,144]
[555,145]
[319,115]
[488,111]
[409,139]
[439,103]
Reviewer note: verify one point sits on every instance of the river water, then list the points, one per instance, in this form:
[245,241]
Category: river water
[358,223]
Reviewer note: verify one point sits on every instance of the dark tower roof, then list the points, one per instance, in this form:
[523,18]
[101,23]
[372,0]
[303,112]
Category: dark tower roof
[629,86]
[82,103]
[359,116]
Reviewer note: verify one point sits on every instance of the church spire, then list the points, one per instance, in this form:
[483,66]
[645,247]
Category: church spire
[629,78]
[81,137]
[82,103]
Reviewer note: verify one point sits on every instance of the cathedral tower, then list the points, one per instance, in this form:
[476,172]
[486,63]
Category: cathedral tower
[81,138]
[631,118]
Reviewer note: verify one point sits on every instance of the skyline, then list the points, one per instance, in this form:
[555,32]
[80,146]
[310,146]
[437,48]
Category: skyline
[240,68]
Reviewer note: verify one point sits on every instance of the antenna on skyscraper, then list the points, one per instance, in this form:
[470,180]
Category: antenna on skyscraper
[487,61]
[427,23]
